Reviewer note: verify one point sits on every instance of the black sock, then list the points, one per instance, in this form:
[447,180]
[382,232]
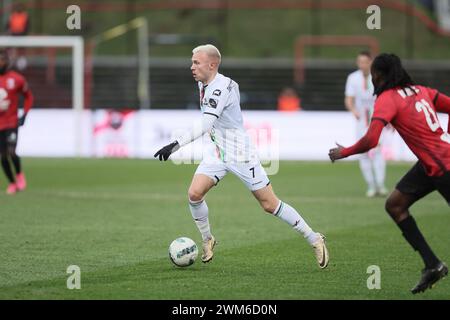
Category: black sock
[16,162]
[7,169]
[415,238]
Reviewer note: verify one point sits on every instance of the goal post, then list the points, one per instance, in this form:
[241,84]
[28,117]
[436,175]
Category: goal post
[139,24]
[76,43]
[327,40]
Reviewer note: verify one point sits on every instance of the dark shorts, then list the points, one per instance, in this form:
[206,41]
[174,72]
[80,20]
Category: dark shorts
[416,183]
[8,138]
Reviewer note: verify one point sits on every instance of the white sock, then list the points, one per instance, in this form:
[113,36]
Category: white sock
[199,211]
[288,214]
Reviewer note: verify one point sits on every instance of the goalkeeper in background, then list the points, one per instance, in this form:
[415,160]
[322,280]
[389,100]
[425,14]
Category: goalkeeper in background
[12,86]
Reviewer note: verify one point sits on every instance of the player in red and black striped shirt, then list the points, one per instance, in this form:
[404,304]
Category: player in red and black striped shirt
[12,86]
[411,109]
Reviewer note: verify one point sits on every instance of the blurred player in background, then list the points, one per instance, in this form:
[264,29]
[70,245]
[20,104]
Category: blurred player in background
[19,21]
[18,25]
[288,100]
[411,109]
[359,100]
[12,85]
[234,152]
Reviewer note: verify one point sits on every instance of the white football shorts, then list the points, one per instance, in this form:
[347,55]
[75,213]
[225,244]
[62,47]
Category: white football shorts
[252,174]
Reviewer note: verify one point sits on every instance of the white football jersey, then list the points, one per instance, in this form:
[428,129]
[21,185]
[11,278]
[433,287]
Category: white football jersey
[221,98]
[361,89]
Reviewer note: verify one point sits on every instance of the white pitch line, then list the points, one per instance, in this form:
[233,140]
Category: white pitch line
[92,195]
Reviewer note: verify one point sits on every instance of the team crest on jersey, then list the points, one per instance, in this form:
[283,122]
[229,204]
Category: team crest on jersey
[213,103]
[10,83]
[217,92]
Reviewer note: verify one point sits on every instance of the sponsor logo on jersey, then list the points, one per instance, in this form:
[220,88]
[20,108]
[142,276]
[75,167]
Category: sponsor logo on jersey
[217,92]
[213,103]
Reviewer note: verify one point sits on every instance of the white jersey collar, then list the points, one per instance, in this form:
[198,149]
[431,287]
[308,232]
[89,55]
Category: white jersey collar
[216,78]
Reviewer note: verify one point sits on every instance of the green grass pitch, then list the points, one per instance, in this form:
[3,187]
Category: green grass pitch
[116,218]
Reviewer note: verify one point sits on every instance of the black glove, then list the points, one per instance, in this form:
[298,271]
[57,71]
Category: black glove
[22,120]
[165,152]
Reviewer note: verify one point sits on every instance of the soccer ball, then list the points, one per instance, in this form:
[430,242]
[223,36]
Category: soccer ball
[183,251]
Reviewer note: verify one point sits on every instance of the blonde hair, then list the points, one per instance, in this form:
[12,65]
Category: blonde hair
[210,50]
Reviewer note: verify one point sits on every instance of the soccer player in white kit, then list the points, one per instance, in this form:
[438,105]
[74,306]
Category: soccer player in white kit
[359,100]
[234,152]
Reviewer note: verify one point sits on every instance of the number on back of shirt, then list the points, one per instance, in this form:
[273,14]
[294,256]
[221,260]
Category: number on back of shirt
[430,115]
[4,102]
[431,118]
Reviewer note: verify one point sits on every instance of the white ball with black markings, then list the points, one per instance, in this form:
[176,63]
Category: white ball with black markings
[183,251]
